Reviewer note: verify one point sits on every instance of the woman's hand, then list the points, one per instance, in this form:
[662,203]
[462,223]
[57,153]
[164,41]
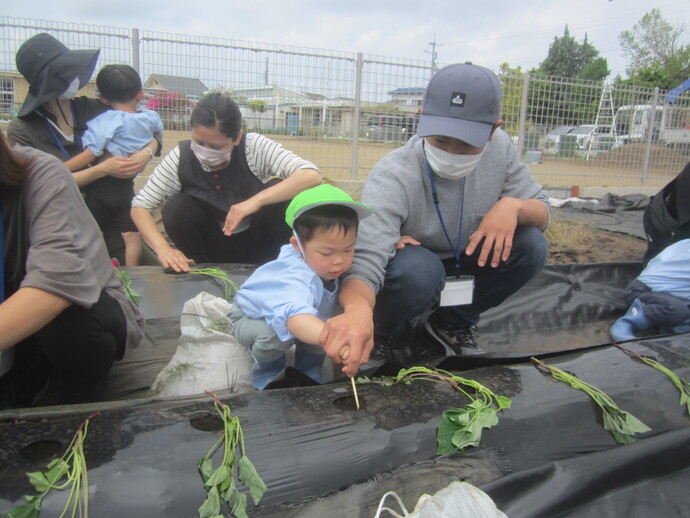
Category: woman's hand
[118,167]
[238,212]
[142,158]
[171,258]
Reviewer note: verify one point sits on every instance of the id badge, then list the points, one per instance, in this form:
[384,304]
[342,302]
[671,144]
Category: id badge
[458,291]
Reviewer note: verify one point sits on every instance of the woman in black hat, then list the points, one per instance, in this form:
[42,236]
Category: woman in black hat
[53,120]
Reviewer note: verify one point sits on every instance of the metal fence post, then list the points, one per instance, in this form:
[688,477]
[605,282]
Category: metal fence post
[355,120]
[650,133]
[135,50]
[523,115]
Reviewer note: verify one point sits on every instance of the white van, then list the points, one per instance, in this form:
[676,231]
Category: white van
[632,122]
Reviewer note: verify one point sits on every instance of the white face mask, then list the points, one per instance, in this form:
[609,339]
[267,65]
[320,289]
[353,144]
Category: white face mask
[71,91]
[449,165]
[211,157]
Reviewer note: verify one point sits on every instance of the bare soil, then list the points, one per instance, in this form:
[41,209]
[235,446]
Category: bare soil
[604,247]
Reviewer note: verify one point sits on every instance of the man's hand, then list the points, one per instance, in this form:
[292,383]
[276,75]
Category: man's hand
[348,338]
[497,230]
[406,240]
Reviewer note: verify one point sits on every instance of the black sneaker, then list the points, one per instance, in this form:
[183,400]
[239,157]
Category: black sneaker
[381,353]
[449,339]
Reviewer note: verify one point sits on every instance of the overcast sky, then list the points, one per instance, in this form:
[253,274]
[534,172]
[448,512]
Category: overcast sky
[518,32]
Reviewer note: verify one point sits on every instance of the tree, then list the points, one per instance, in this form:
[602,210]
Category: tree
[568,58]
[656,56]
[572,100]
[596,70]
[512,81]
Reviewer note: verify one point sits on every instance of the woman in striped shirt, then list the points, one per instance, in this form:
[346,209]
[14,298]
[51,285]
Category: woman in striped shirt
[223,193]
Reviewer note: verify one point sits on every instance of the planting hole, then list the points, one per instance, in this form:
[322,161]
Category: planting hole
[41,450]
[348,403]
[207,422]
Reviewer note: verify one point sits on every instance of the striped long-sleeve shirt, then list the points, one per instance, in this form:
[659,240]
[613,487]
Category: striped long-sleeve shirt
[266,159]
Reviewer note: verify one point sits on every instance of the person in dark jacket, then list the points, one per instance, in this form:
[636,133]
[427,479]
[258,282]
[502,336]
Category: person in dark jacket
[666,219]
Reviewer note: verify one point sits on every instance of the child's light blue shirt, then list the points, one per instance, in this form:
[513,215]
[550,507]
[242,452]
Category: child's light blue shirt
[669,271]
[121,133]
[284,288]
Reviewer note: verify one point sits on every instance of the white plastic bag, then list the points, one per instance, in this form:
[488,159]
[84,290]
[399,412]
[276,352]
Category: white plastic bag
[459,499]
[208,357]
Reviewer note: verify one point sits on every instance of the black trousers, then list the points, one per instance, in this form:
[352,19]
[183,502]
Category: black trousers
[196,229]
[69,360]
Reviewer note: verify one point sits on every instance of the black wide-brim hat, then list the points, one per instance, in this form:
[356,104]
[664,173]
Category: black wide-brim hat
[50,67]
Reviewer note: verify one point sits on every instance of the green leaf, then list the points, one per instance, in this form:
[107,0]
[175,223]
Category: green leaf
[56,470]
[634,425]
[487,417]
[446,429]
[619,423]
[476,403]
[464,438]
[503,402]
[39,481]
[126,282]
[228,494]
[211,506]
[251,479]
[238,504]
[30,510]
[685,400]
[622,438]
[218,476]
[205,468]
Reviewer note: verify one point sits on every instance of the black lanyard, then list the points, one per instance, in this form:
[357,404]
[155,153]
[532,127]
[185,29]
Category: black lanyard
[56,137]
[456,251]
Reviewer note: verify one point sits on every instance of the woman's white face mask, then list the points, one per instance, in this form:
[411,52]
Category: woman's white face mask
[211,157]
[71,91]
[449,165]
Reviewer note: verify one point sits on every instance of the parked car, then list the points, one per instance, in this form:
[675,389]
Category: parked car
[391,128]
[583,135]
[553,137]
[591,139]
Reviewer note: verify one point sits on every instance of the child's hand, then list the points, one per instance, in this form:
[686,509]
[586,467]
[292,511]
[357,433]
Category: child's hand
[406,240]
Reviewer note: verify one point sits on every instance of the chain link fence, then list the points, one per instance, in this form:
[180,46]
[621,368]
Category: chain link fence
[345,110]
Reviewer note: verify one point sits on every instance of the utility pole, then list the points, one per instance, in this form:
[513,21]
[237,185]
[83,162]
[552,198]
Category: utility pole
[433,53]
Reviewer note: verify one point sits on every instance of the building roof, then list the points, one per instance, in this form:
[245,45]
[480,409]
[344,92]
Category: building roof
[182,85]
[407,91]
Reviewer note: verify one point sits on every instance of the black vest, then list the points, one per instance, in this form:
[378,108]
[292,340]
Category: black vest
[233,184]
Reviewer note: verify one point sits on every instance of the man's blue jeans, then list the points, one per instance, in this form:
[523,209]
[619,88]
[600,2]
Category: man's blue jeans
[415,277]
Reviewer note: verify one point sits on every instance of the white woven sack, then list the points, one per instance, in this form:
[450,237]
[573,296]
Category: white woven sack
[208,357]
[459,499]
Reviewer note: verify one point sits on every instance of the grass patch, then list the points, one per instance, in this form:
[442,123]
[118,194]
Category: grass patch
[574,235]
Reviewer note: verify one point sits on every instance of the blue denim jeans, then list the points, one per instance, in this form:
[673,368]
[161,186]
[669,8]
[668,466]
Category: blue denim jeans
[415,277]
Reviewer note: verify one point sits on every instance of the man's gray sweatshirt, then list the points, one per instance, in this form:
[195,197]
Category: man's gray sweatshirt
[399,191]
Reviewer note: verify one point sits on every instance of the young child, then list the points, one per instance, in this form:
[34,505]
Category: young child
[660,296]
[121,131]
[286,301]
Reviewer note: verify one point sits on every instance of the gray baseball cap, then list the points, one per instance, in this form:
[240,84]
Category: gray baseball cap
[462,101]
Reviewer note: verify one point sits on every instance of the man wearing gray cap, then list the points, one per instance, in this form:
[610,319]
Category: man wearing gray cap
[453,206]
